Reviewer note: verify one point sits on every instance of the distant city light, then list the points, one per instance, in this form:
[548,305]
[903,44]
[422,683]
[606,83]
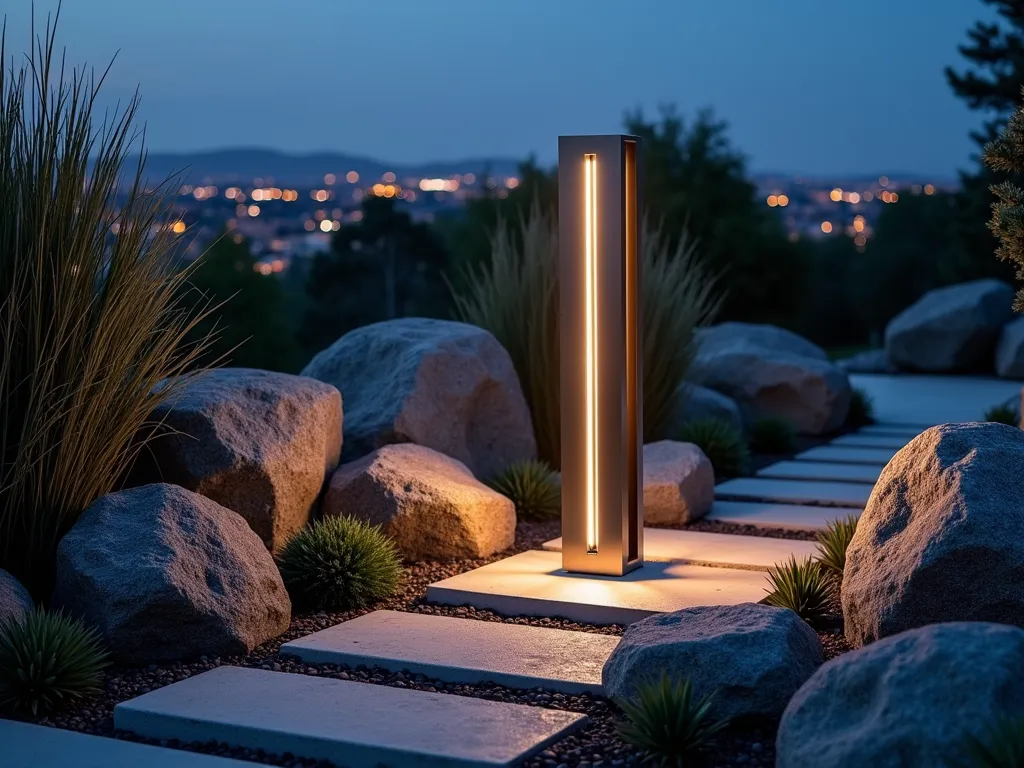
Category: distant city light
[826,227]
[335,225]
[773,200]
[836,195]
[854,198]
[178,227]
[783,200]
[351,177]
[929,189]
[860,241]
[438,185]
[329,179]
[320,195]
[254,210]
[309,226]
[241,210]
[469,178]
[378,189]
[325,225]
[388,177]
[858,224]
[868,197]
[389,190]
[511,182]
[883,181]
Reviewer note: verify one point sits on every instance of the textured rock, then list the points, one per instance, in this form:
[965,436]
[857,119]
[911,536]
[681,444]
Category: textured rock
[446,385]
[679,483]
[14,599]
[752,657]
[872,361]
[259,443]
[772,372]
[906,701]
[1010,350]
[942,536]
[429,503]
[164,573]
[759,335]
[951,328]
[695,402]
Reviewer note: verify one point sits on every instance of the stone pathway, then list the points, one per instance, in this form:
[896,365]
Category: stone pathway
[357,724]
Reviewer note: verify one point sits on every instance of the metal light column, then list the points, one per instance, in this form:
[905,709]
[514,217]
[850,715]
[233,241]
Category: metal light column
[601,365]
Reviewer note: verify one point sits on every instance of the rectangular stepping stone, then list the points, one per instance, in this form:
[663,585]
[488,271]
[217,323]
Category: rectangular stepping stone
[463,650]
[848,455]
[774,515]
[822,470]
[815,492]
[357,725]
[902,430]
[717,550]
[23,745]
[534,584]
[871,441]
[930,399]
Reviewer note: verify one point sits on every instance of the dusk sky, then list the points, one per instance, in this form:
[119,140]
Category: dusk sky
[809,86]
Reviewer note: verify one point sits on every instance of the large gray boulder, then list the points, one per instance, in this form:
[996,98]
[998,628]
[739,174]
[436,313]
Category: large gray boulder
[446,385]
[952,328]
[759,335]
[165,574]
[942,536]
[771,372]
[679,483]
[259,443]
[752,657]
[907,701]
[694,402]
[15,601]
[429,503]
[1010,350]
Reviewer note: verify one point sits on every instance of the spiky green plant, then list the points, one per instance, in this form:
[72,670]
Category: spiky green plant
[89,314]
[801,586]
[339,564]
[532,486]
[1002,414]
[47,660]
[772,434]
[1000,746]
[862,409]
[723,444]
[833,542]
[514,295]
[667,723]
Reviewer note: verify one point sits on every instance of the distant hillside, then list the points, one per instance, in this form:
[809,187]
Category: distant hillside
[227,166]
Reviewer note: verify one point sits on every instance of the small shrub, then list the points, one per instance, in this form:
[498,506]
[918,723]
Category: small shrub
[862,409]
[803,587]
[721,442]
[667,723]
[1001,746]
[339,564]
[532,487]
[48,660]
[1002,414]
[832,545]
[771,434]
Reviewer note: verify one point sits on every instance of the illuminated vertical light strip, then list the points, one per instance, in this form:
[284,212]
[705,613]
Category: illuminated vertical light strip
[590,256]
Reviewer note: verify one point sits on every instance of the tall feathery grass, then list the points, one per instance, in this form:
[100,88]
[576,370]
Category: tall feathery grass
[514,295]
[89,314]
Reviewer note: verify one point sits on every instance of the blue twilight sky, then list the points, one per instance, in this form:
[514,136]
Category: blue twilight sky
[810,86]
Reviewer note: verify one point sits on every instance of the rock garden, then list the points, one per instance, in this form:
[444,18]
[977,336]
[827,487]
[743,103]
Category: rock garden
[332,568]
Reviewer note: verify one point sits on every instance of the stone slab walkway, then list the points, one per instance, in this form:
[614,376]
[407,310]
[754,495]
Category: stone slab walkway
[822,470]
[900,430]
[860,440]
[356,725]
[533,584]
[847,455]
[717,550]
[918,399]
[463,650]
[23,745]
[811,492]
[773,515]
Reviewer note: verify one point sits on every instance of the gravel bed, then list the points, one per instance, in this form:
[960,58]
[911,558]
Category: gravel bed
[596,745]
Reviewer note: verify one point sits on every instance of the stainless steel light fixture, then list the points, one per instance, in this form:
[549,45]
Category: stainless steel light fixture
[601,395]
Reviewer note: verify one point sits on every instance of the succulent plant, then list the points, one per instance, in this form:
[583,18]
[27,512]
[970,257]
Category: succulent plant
[532,486]
[801,586]
[721,442]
